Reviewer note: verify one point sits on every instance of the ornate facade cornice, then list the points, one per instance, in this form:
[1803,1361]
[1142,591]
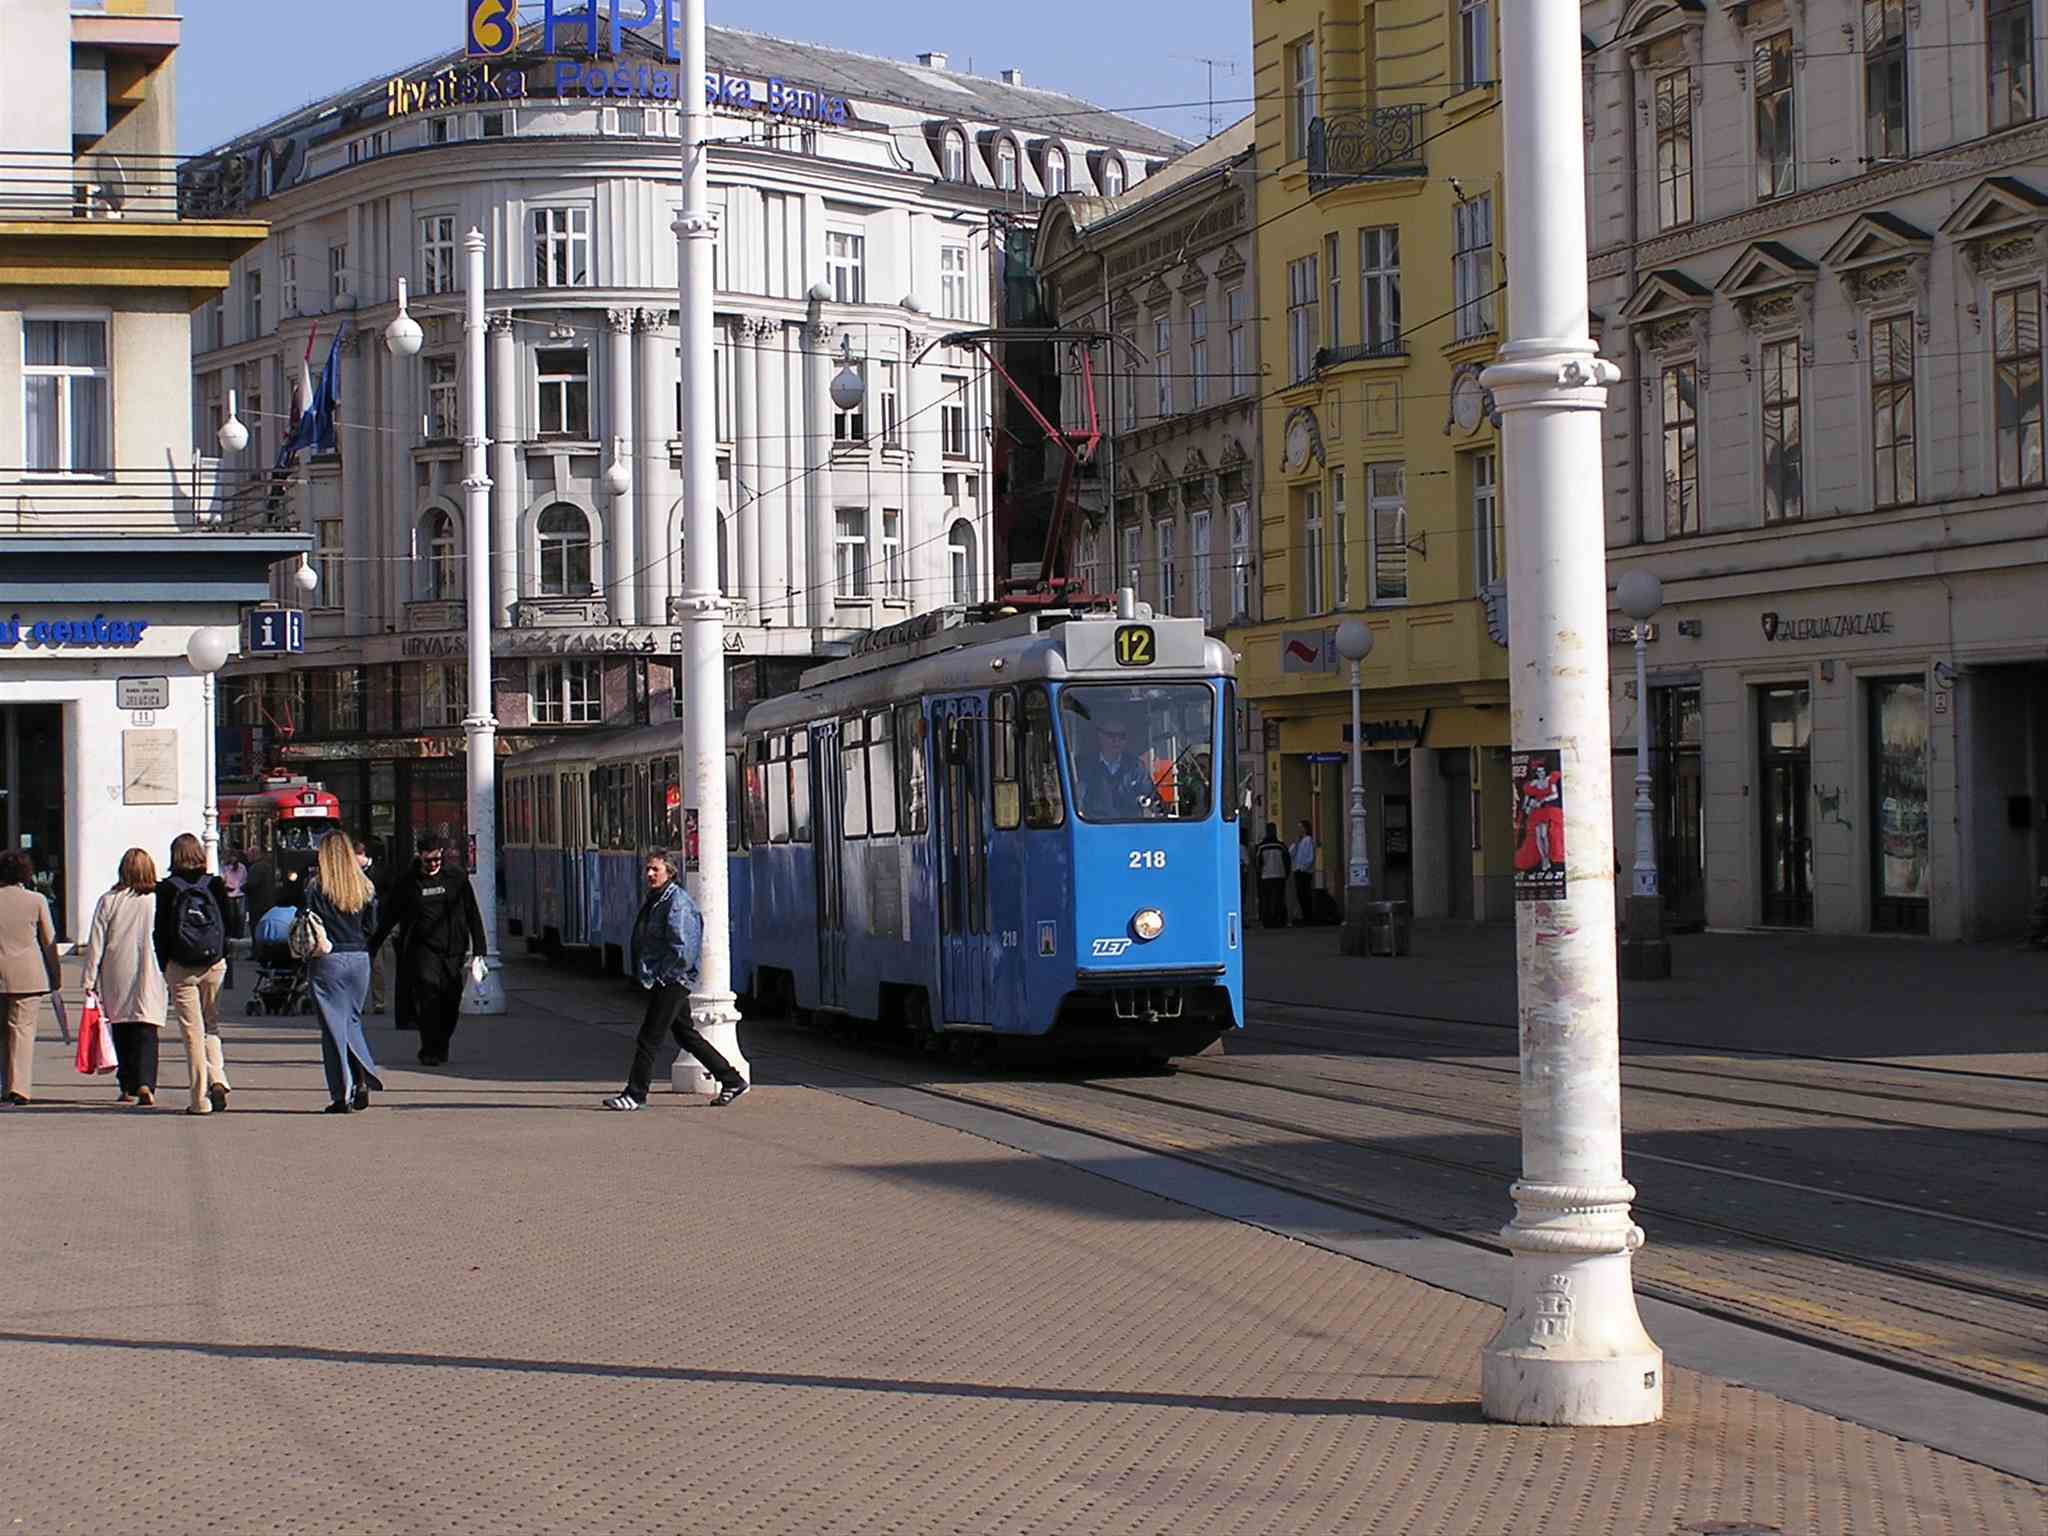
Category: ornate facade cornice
[2014,147]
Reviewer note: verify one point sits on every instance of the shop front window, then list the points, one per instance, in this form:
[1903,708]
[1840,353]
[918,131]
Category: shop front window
[1900,878]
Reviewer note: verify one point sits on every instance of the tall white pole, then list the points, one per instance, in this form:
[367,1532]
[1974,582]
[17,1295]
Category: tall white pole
[712,1005]
[210,829]
[1646,830]
[487,996]
[1572,1349]
[1359,875]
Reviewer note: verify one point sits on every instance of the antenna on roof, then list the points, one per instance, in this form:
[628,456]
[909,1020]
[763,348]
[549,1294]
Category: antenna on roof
[1228,66]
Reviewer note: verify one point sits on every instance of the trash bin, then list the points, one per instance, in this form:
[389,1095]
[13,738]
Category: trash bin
[1388,926]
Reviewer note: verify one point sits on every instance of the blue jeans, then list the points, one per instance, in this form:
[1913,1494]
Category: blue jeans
[341,985]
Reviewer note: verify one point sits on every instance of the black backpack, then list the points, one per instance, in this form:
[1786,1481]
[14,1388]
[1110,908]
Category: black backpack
[199,936]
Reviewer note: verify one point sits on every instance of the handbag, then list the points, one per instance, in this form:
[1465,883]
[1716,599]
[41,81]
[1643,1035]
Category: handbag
[309,937]
[95,1039]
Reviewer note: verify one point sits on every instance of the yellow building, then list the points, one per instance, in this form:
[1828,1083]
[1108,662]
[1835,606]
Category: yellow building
[1380,299]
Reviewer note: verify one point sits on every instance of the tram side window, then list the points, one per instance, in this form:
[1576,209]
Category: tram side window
[544,811]
[800,786]
[735,824]
[1229,787]
[778,788]
[757,791]
[853,764]
[1002,737]
[1044,803]
[882,774]
[913,811]
[664,804]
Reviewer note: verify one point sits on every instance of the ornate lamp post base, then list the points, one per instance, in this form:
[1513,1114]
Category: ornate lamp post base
[1645,952]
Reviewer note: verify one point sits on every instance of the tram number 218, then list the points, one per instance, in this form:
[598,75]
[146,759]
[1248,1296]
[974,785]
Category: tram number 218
[1148,858]
[1135,645]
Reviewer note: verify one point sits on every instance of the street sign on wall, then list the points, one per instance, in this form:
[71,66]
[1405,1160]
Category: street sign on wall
[142,693]
[276,632]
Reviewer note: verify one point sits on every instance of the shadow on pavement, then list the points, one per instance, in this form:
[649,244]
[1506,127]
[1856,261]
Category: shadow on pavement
[1350,1408]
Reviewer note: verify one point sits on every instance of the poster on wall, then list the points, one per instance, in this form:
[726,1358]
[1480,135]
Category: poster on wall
[1538,780]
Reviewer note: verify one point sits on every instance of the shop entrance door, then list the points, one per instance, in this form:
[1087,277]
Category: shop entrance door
[32,781]
[1785,726]
[1678,791]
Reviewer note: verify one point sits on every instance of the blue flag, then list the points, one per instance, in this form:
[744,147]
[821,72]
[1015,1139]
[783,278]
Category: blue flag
[315,429]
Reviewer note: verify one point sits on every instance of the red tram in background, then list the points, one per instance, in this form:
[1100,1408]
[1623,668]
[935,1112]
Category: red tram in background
[281,818]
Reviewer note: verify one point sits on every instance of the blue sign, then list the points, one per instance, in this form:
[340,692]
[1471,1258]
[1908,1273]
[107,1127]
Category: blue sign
[491,27]
[97,633]
[277,632]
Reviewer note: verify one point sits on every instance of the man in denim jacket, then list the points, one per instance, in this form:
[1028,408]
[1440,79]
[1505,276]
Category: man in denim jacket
[668,936]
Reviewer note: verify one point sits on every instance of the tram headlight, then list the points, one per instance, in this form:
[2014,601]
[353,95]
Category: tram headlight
[1148,924]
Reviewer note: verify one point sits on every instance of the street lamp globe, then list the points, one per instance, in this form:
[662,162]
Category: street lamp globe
[233,435]
[618,479]
[305,577]
[403,335]
[1354,640]
[849,389]
[1639,594]
[207,650]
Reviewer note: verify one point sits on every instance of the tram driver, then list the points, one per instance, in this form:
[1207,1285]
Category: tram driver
[1114,784]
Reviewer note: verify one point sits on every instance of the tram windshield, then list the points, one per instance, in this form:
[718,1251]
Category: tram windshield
[302,836]
[1140,754]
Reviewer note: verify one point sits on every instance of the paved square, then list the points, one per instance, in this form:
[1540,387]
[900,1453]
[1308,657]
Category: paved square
[487,1306]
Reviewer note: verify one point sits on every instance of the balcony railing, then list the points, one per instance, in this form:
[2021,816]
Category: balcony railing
[1365,146]
[44,186]
[205,497]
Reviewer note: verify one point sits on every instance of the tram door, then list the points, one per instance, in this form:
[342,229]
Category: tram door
[575,866]
[963,863]
[828,789]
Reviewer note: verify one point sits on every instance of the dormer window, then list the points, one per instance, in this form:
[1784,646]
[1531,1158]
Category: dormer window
[954,165]
[1006,165]
[1112,176]
[1055,172]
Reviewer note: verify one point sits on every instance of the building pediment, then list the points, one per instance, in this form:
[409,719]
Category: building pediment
[1233,455]
[1157,294]
[2002,227]
[1161,475]
[1197,464]
[1647,22]
[1880,258]
[1194,281]
[1669,310]
[1231,264]
[1770,284]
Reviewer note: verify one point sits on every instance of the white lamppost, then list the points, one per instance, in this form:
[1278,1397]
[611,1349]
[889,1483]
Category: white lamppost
[233,435]
[1646,954]
[1354,644]
[208,651]
[1571,1349]
[403,337]
[713,1008]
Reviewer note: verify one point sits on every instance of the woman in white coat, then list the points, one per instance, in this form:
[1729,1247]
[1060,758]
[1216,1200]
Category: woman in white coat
[121,967]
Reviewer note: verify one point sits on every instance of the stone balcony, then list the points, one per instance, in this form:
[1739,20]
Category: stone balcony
[560,612]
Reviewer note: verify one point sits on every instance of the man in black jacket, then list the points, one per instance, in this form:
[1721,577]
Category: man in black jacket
[437,911]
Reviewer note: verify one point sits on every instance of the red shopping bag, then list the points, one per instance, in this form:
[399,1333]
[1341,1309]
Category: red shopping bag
[95,1040]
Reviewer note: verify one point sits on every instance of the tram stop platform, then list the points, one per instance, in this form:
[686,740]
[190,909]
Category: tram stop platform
[487,1305]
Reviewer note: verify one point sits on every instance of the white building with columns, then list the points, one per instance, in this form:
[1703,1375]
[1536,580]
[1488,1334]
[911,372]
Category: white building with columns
[857,196]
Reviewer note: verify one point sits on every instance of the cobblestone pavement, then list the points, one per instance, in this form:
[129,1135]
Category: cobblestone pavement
[487,1306]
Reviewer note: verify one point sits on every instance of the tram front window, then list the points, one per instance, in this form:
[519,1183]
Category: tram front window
[1140,754]
[302,836]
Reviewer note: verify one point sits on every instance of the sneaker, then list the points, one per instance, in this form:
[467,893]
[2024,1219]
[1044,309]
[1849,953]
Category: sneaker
[728,1094]
[622,1101]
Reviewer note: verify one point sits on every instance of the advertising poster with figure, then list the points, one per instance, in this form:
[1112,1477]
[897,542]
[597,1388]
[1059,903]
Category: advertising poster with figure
[1538,780]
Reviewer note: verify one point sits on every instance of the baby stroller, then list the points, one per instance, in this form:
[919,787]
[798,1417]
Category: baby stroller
[282,984]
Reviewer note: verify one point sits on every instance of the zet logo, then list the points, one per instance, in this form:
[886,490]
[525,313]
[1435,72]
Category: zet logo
[1109,949]
[493,27]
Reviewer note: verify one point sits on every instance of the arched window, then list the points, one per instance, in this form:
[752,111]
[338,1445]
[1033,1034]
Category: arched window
[438,560]
[960,549]
[1006,166]
[1055,172]
[1112,176]
[564,551]
[955,167]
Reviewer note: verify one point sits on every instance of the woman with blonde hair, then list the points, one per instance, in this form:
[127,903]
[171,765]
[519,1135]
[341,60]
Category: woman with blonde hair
[194,921]
[342,901]
[121,966]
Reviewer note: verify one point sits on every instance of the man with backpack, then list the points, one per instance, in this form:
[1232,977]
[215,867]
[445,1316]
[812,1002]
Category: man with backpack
[195,918]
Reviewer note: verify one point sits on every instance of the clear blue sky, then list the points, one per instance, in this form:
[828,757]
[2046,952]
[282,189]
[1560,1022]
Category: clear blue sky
[246,61]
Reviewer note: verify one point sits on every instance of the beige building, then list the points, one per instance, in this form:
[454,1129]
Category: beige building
[1170,506]
[1819,233]
[111,550]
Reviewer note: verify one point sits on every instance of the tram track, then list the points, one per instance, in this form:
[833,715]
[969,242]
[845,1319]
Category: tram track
[1962,1330]
[1644,1061]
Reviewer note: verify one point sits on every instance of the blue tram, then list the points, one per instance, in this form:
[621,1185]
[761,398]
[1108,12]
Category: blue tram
[580,816]
[1025,827]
